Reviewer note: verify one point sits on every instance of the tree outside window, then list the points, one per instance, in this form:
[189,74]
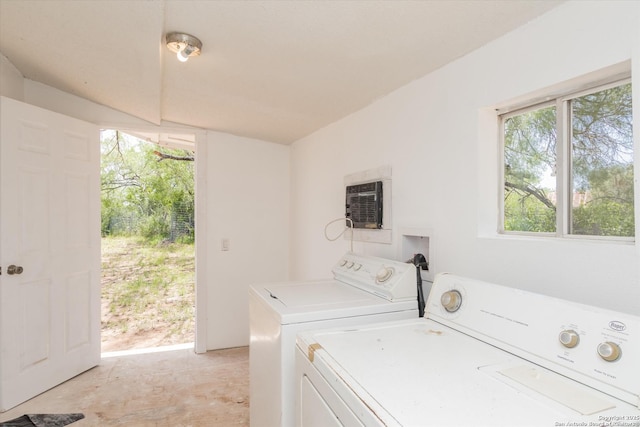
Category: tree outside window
[585,137]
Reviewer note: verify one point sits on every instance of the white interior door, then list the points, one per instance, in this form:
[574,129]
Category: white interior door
[49,250]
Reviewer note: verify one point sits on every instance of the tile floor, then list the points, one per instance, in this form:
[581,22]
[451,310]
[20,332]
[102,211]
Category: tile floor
[165,388]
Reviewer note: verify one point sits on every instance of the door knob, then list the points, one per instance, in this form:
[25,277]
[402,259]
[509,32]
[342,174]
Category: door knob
[14,269]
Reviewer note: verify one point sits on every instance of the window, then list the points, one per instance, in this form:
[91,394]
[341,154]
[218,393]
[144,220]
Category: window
[568,165]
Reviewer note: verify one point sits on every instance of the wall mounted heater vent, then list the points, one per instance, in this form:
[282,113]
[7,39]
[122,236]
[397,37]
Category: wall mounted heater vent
[364,205]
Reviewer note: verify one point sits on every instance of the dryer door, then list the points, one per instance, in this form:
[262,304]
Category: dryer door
[317,403]
[314,410]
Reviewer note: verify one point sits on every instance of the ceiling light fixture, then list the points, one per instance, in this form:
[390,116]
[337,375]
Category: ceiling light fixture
[184,45]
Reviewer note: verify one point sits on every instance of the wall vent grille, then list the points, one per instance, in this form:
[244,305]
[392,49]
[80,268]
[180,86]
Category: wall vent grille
[364,205]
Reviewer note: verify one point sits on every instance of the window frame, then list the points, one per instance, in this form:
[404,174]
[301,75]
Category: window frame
[564,186]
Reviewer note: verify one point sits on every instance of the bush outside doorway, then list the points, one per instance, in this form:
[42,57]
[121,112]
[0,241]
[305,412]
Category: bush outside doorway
[148,234]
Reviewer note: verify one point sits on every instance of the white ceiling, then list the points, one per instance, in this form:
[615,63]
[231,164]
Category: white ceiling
[273,70]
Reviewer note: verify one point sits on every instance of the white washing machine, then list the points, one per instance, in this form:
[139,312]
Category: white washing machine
[483,355]
[364,290]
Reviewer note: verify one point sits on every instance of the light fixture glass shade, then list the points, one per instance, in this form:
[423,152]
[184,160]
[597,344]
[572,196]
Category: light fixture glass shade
[184,45]
[183,55]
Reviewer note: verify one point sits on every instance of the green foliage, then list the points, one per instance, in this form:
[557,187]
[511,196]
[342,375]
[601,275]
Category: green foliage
[602,134]
[530,145]
[601,166]
[605,218]
[610,211]
[528,214]
[154,225]
[143,193]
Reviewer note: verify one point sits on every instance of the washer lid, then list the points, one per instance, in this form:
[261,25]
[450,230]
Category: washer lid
[316,295]
[297,302]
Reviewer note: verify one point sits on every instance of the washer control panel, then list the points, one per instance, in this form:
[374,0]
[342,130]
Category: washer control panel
[598,347]
[391,280]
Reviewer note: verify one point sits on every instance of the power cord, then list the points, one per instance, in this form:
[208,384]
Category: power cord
[342,232]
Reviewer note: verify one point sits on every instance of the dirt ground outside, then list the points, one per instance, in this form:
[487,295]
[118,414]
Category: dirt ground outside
[148,293]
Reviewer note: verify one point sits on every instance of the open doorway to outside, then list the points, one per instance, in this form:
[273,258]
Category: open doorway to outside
[148,236]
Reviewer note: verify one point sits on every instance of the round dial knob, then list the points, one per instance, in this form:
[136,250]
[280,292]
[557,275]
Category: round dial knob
[343,262]
[357,267]
[384,274]
[451,301]
[350,264]
[569,338]
[609,351]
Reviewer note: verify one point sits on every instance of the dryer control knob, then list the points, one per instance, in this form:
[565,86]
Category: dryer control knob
[350,264]
[569,338]
[451,301]
[343,262]
[609,351]
[384,274]
[357,267]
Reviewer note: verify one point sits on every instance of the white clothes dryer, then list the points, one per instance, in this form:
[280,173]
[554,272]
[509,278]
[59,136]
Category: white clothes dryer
[484,355]
[364,290]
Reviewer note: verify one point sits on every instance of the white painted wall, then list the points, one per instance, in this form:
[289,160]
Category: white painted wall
[436,133]
[11,81]
[248,203]
[243,194]
[273,202]
[53,99]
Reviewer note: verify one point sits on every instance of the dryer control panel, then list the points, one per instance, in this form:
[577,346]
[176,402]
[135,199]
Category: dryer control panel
[391,280]
[591,345]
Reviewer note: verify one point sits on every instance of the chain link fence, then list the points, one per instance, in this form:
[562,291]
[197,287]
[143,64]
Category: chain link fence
[178,223]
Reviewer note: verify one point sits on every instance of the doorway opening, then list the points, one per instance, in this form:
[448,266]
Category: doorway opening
[148,239]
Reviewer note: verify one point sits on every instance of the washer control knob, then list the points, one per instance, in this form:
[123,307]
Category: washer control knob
[350,264]
[384,274]
[357,267]
[569,338]
[343,262]
[609,351]
[451,301]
